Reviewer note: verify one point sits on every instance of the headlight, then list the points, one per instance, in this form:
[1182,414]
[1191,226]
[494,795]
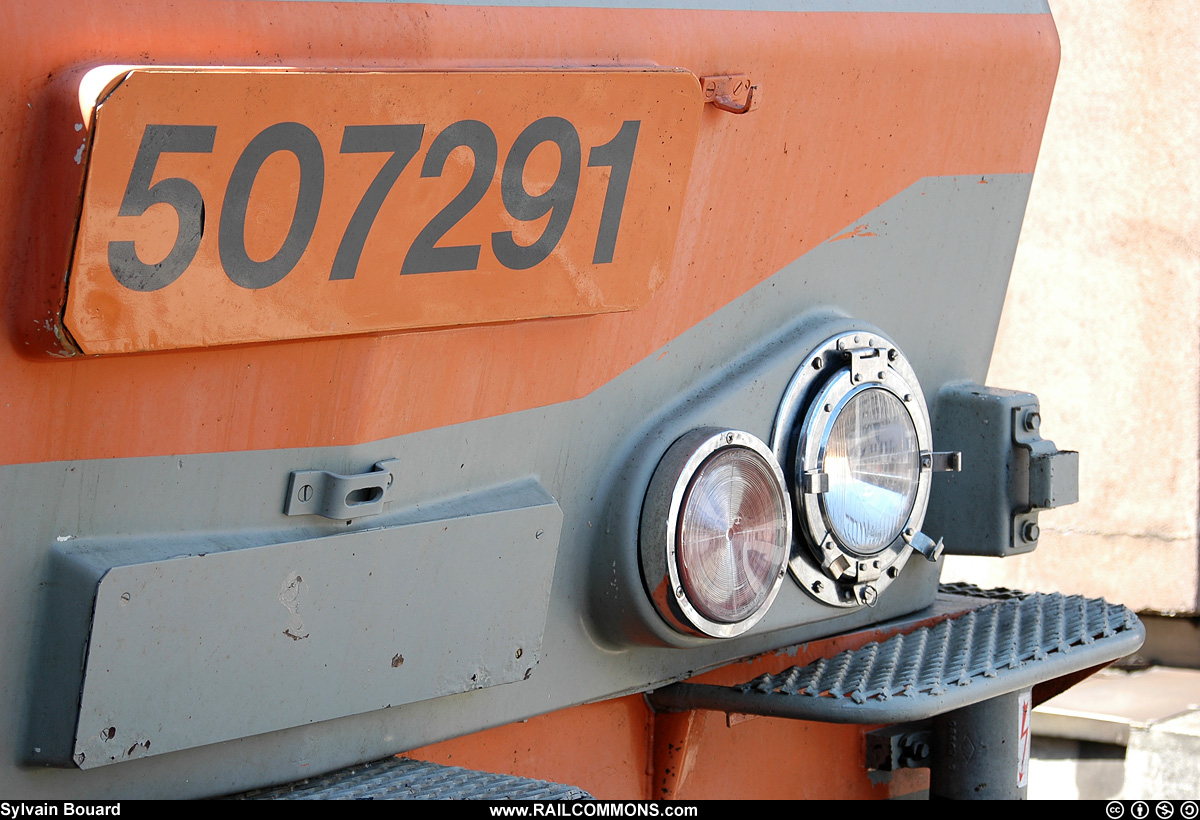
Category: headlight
[854,430]
[716,530]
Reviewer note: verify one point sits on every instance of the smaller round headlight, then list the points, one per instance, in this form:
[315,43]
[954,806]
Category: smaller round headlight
[716,531]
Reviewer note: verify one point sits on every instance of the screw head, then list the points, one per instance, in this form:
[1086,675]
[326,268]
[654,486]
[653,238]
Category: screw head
[817,586]
[818,363]
[892,354]
[869,595]
[305,493]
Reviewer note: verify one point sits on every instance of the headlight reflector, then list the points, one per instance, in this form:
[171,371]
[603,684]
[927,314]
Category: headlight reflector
[733,536]
[874,465]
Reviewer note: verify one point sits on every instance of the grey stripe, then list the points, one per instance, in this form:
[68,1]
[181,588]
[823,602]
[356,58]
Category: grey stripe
[906,6]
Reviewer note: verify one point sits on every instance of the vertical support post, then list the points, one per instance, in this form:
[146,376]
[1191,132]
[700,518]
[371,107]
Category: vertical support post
[981,752]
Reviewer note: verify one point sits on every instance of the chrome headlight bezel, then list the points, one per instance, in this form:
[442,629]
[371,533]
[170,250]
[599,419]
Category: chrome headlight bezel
[842,367]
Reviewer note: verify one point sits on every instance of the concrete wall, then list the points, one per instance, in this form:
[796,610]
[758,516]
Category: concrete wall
[1102,319]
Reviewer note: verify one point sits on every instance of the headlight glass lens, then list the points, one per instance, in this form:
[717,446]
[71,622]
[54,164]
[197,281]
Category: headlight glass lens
[733,535]
[873,461]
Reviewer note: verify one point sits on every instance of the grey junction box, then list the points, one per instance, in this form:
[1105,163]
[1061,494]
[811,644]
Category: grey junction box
[1009,472]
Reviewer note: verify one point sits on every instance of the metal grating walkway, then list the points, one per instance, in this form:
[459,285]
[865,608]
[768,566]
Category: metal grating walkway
[398,778]
[998,648]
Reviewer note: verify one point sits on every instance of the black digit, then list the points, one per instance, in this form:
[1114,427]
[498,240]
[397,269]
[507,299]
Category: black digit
[180,194]
[423,257]
[558,200]
[617,154]
[403,141]
[303,143]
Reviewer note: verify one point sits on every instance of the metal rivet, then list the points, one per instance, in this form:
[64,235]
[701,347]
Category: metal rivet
[818,363]
[520,652]
[858,377]
[892,572]
[856,340]
[880,374]
[908,396]
[828,408]
[679,592]
[817,586]
[893,354]
[910,532]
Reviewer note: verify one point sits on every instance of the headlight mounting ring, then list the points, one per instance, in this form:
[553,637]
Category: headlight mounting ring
[841,368]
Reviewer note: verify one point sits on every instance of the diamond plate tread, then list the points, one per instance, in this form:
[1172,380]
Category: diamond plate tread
[968,589]
[399,778]
[995,649]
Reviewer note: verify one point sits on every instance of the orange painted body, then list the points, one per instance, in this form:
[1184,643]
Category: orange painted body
[723,220]
[743,217]
[621,749]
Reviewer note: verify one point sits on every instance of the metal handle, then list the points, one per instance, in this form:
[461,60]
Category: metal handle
[340,497]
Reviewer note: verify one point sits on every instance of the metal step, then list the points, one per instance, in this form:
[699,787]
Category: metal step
[998,648]
[399,778]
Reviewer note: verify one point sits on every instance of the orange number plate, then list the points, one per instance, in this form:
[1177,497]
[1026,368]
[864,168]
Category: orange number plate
[226,206]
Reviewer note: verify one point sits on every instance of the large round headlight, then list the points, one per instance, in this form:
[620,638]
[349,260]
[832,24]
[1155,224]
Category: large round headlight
[854,431]
[715,533]
[871,456]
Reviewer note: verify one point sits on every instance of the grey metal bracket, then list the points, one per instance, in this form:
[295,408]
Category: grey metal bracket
[340,497]
[997,649]
[903,746]
[1053,473]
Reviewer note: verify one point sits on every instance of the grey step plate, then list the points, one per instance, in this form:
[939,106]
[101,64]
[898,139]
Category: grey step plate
[995,649]
[398,778]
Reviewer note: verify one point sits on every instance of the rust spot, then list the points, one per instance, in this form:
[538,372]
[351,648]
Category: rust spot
[397,661]
[859,230]
[293,635]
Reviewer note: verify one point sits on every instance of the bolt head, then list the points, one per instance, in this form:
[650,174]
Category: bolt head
[1031,531]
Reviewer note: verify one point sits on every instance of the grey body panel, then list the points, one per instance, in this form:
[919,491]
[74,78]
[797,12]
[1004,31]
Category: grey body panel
[933,277]
[344,619]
